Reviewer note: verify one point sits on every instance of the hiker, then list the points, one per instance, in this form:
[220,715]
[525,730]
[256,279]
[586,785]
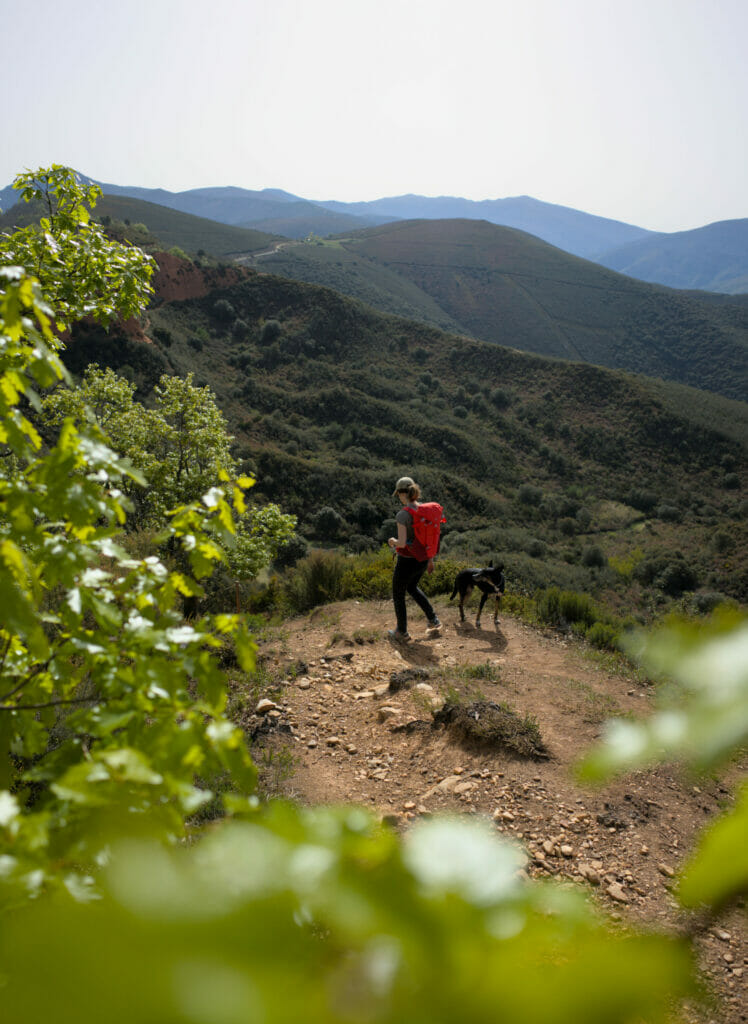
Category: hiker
[409,568]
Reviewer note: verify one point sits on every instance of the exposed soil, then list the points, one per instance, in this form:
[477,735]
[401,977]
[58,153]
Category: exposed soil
[176,279]
[357,737]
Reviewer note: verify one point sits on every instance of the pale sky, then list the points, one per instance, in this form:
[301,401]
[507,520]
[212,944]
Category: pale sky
[635,111]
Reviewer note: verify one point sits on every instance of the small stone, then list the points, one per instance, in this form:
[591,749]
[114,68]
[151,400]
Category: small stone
[666,870]
[386,712]
[351,749]
[507,816]
[615,891]
[332,741]
[722,935]
[548,847]
[644,851]
[264,706]
[363,694]
[447,785]
[458,771]
[312,744]
[588,872]
[567,851]
[409,805]
[464,787]
[424,688]
[274,714]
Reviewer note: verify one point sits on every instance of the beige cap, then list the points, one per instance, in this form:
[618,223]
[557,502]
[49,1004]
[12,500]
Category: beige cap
[403,484]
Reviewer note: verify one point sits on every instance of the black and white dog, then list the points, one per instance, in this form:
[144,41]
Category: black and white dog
[490,581]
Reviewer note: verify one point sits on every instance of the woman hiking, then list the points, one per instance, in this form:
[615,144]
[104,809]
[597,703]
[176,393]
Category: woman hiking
[408,568]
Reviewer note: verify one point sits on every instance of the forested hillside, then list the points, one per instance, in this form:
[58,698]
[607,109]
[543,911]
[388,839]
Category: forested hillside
[562,469]
[507,287]
[142,223]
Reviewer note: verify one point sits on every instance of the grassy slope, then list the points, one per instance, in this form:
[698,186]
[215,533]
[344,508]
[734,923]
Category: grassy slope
[170,226]
[345,400]
[504,286]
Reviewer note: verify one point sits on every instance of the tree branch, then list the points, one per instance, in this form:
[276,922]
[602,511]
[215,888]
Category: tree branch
[53,704]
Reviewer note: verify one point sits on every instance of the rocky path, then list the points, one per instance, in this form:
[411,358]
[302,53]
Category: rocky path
[355,711]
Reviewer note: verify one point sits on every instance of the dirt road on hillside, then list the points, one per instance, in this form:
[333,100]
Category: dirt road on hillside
[353,739]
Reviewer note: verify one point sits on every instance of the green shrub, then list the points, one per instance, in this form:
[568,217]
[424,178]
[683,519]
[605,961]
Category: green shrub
[669,513]
[291,552]
[316,579]
[603,636]
[565,607]
[642,500]
[529,495]
[704,604]
[271,330]
[369,576]
[224,311]
[442,579]
[594,558]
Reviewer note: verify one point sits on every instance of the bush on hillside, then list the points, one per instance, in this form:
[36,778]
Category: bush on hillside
[224,311]
[668,573]
[315,580]
[292,551]
[271,330]
[640,499]
[565,608]
[568,609]
[328,523]
[602,635]
[594,558]
[530,495]
[669,513]
[359,543]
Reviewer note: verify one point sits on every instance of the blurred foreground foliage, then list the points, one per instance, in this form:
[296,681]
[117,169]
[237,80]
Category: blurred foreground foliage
[111,709]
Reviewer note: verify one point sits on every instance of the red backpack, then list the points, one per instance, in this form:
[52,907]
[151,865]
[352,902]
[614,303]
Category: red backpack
[427,520]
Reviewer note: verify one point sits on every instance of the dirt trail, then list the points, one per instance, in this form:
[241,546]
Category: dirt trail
[354,740]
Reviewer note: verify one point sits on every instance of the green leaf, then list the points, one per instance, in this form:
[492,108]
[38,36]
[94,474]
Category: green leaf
[718,872]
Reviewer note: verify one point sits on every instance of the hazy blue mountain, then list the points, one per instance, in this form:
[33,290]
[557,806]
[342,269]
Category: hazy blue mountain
[228,205]
[8,198]
[581,234]
[712,258]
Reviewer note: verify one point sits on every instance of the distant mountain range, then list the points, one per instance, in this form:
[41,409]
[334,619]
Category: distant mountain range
[711,258]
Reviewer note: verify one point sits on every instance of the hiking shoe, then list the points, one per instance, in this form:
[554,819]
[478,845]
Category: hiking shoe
[395,634]
[434,623]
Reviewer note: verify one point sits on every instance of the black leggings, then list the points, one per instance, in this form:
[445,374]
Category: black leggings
[405,579]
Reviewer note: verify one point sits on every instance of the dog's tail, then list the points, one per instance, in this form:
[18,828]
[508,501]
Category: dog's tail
[453,592]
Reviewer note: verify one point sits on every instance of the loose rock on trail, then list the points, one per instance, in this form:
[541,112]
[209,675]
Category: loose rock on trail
[369,722]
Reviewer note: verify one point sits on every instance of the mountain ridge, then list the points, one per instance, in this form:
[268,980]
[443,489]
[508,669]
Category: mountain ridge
[657,257]
[711,258]
[505,286]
